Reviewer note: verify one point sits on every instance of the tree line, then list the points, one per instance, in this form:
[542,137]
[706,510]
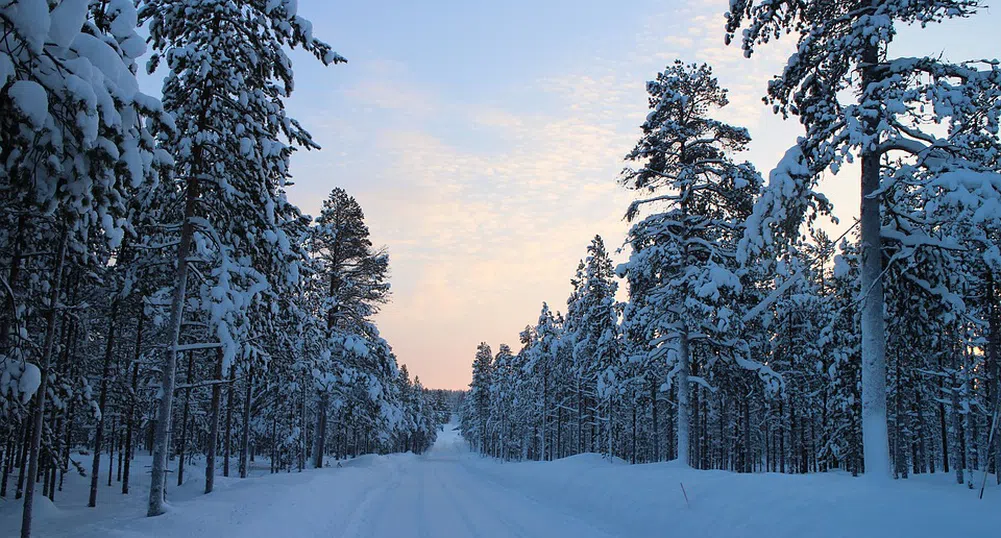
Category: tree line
[751,340]
[159,291]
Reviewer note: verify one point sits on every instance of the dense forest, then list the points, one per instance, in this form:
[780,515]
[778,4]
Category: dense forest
[749,338]
[160,294]
[159,291]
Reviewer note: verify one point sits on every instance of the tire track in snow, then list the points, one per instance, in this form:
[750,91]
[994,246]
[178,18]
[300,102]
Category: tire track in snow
[361,516]
[552,512]
[462,497]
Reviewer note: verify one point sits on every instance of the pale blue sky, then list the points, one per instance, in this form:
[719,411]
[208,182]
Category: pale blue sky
[483,140]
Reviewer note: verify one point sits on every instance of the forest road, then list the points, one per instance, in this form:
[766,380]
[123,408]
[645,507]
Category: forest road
[439,494]
[445,493]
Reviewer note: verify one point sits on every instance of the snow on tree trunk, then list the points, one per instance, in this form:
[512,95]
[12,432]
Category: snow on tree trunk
[183,444]
[37,421]
[227,448]
[875,438]
[161,434]
[681,381]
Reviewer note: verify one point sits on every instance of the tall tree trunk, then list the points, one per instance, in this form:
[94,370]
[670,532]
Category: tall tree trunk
[994,360]
[133,399]
[111,449]
[158,478]
[748,459]
[669,429]
[8,461]
[580,418]
[109,350]
[545,413]
[684,452]
[320,431]
[69,356]
[943,430]
[120,451]
[559,431]
[228,442]
[653,418]
[633,450]
[67,443]
[22,465]
[43,385]
[214,429]
[927,459]
[245,434]
[781,431]
[182,446]
[875,438]
[957,431]
[303,434]
[899,455]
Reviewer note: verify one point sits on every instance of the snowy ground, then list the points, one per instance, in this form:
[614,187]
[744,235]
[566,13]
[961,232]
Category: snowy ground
[451,493]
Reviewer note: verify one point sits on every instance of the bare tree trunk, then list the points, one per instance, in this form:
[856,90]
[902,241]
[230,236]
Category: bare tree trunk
[303,434]
[133,399]
[580,418]
[633,457]
[214,429]
[957,431]
[38,419]
[161,437]
[245,441]
[109,350]
[8,461]
[274,445]
[183,444]
[228,442]
[994,360]
[925,461]
[320,432]
[111,451]
[655,424]
[943,430]
[683,402]
[559,431]
[67,444]
[121,449]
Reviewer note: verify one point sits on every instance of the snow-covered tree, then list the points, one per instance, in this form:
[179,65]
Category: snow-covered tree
[856,101]
[684,253]
[73,147]
[228,74]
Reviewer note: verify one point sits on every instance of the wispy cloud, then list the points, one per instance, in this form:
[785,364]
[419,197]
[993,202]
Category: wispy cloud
[486,204]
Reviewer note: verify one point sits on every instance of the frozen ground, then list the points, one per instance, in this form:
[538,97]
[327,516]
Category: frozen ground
[452,493]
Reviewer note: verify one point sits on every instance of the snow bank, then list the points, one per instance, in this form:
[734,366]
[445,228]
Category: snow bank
[648,500]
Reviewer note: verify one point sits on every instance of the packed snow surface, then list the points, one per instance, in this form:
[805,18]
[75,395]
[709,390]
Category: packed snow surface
[450,492]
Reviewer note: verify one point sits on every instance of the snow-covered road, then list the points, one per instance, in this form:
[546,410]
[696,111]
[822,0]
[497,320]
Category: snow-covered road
[443,493]
[449,492]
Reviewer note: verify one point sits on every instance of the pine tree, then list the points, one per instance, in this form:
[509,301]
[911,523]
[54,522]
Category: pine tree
[353,276]
[843,47]
[684,255]
[225,88]
[476,426]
